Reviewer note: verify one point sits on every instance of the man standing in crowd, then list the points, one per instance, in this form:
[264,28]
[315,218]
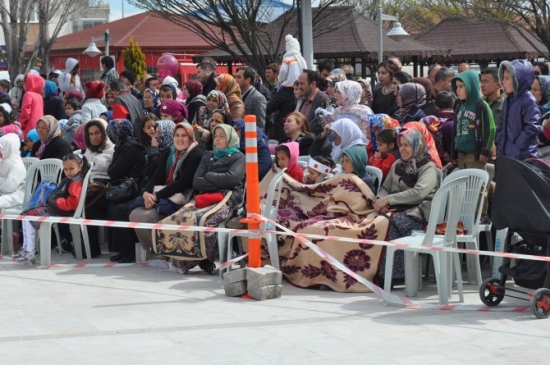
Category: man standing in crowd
[109,71]
[491,90]
[254,101]
[312,97]
[206,75]
[443,79]
[464,66]
[350,72]
[132,106]
[271,81]
[129,79]
[433,70]
[324,67]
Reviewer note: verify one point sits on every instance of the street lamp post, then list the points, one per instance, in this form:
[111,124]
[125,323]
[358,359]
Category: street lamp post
[92,49]
[397,32]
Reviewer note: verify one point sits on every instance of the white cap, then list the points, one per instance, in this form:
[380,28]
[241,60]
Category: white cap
[6,107]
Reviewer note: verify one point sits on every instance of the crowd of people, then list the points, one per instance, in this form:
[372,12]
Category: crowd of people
[183,145]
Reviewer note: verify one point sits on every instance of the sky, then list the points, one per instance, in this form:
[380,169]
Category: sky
[116,9]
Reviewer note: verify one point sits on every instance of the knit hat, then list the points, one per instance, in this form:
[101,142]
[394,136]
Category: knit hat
[129,75]
[291,43]
[73,94]
[95,90]
[175,109]
[169,80]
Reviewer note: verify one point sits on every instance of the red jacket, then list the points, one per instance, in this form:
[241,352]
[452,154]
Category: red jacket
[32,107]
[384,163]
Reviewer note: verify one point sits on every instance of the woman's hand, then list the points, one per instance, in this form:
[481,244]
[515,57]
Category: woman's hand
[382,205]
[326,130]
[377,155]
[149,200]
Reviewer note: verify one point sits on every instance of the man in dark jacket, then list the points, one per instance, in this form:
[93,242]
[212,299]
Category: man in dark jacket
[206,75]
[283,102]
[126,99]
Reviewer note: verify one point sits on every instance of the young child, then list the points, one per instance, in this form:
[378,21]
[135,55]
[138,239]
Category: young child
[354,161]
[60,202]
[444,101]
[474,127]
[387,152]
[286,156]
[516,135]
[319,169]
[72,109]
[173,110]
[167,92]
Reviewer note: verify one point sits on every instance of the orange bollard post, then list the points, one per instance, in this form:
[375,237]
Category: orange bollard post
[252,189]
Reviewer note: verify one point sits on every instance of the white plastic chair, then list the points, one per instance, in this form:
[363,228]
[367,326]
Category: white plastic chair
[478,181]
[486,227]
[45,232]
[28,161]
[449,198]
[49,169]
[269,209]
[376,175]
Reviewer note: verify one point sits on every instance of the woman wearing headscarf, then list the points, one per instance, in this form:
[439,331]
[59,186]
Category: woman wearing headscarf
[219,181]
[69,79]
[163,139]
[348,95]
[355,162]
[429,108]
[345,133]
[407,192]
[192,90]
[51,144]
[336,75]
[264,156]
[12,172]
[53,105]
[215,100]
[366,96]
[173,175]
[151,103]
[431,146]
[230,87]
[410,99]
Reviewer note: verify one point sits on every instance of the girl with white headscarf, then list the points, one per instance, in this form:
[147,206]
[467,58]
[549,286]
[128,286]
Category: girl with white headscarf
[12,172]
[69,79]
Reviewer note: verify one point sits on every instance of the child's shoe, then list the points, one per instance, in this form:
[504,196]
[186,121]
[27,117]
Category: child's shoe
[29,256]
[19,254]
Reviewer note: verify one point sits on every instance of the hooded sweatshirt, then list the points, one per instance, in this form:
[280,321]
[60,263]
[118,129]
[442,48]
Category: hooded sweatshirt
[32,107]
[474,127]
[53,105]
[294,170]
[12,172]
[516,135]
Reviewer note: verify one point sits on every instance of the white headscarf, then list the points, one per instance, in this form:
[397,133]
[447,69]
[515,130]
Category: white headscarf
[350,134]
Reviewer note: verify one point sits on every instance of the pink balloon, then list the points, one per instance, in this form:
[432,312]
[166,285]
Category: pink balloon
[168,65]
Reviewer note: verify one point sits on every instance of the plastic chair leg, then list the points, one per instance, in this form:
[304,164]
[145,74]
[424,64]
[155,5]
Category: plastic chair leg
[474,267]
[45,238]
[458,274]
[77,243]
[7,237]
[411,273]
[273,248]
[390,253]
[56,230]
[441,277]
[141,254]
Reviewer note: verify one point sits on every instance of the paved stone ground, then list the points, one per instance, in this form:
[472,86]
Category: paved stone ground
[137,315]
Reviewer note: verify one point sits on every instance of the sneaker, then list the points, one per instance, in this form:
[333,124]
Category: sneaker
[29,256]
[19,254]
[66,246]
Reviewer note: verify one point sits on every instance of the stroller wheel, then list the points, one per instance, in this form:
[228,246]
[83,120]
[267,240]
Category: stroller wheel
[541,303]
[491,293]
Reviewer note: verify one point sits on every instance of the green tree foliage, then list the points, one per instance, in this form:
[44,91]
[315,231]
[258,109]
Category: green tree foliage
[134,59]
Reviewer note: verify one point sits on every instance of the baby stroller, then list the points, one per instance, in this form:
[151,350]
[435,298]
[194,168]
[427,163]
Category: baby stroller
[522,204]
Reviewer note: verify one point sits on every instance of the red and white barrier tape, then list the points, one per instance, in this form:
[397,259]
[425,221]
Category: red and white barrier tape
[302,237]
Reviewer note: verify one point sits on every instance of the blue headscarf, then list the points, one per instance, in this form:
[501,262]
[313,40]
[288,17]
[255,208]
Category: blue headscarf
[120,130]
[261,137]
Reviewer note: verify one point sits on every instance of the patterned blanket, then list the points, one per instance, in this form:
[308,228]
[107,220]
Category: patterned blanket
[183,245]
[340,206]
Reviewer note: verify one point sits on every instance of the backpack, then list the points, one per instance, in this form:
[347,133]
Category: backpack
[41,193]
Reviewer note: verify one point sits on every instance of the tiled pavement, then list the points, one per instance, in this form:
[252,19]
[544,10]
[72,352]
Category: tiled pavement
[137,315]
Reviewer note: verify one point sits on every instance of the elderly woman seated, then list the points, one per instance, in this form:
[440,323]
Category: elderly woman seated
[406,195]
[219,181]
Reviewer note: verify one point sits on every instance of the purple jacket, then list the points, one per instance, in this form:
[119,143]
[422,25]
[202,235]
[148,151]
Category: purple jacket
[516,135]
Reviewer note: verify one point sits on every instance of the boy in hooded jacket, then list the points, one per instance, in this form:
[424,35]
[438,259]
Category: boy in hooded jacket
[517,132]
[474,127]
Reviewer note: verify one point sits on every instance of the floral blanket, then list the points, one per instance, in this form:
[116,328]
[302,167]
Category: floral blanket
[340,206]
[185,245]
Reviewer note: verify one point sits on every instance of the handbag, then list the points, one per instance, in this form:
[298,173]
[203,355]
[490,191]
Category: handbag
[178,198]
[207,199]
[41,193]
[96,189]
[123,192]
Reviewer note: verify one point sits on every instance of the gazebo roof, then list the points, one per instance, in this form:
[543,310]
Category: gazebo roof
[357,36]
[150,31]
[482,41]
